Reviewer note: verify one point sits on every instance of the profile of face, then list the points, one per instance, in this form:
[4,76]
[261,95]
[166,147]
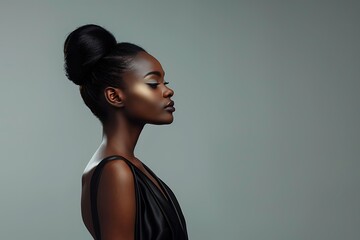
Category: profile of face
[145,97]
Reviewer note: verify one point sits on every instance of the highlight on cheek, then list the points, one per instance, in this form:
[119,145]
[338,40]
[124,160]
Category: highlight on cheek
[143,90]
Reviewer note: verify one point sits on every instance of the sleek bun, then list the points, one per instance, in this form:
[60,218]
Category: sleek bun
[83,48]
[94,60]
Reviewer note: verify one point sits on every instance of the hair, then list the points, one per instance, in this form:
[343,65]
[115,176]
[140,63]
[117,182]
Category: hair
[94,60]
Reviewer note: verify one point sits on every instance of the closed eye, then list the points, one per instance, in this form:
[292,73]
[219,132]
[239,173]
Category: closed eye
[153,85]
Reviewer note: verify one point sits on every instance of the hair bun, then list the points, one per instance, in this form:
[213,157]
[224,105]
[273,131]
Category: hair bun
[83,48]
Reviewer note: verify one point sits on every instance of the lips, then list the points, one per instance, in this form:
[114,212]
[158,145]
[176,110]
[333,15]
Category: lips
[170,106]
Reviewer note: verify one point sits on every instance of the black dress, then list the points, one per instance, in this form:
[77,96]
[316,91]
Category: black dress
[156,218]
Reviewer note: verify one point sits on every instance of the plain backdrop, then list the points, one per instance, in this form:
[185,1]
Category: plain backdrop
[266,138]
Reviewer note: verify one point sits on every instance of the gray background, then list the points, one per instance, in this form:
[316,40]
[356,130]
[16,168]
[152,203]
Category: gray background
[265,141]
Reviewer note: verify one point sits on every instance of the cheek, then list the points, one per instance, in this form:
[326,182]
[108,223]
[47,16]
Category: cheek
[143,92]
[144,99]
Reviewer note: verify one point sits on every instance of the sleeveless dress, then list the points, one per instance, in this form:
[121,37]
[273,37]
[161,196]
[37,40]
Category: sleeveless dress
[156,217]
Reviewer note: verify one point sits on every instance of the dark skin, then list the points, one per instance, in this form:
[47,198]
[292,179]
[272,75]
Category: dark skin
[141,101]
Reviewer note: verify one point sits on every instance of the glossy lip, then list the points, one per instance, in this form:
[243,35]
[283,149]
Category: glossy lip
[170,106]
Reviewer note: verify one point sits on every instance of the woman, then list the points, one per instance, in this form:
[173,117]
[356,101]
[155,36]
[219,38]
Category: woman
[124,87]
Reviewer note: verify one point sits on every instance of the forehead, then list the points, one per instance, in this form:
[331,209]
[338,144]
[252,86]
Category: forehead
[144,63]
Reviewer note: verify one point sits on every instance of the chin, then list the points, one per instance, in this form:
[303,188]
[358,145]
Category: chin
[163,121]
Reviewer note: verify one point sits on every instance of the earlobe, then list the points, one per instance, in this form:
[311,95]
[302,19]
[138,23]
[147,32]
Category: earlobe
[114,96]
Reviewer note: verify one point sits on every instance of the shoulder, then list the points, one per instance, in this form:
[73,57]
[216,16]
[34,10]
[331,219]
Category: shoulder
[117,169]
[116,173]
[116,199]
[114,170]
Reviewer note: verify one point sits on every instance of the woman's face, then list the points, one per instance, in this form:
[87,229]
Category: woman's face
[146,93]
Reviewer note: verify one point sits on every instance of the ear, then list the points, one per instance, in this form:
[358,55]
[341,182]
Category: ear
[114,96]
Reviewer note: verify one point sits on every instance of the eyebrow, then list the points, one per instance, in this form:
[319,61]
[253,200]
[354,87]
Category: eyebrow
[157,73]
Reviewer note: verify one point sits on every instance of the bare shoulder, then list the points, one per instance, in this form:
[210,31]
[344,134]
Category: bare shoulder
[115,197]
[116,184]
[118,171]
[116,200]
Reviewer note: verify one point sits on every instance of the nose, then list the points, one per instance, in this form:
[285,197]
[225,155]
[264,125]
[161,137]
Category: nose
[168,92]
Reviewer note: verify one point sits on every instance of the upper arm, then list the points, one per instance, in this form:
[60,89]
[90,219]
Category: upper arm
[116,201]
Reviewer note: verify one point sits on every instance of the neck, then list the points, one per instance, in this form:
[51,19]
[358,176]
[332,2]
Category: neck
[120,136]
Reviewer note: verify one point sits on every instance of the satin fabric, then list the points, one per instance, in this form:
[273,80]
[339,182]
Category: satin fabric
[157,217]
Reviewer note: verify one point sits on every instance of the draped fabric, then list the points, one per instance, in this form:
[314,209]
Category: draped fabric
[157,217]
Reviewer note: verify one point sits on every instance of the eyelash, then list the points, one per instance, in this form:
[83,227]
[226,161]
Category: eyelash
[154,85]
